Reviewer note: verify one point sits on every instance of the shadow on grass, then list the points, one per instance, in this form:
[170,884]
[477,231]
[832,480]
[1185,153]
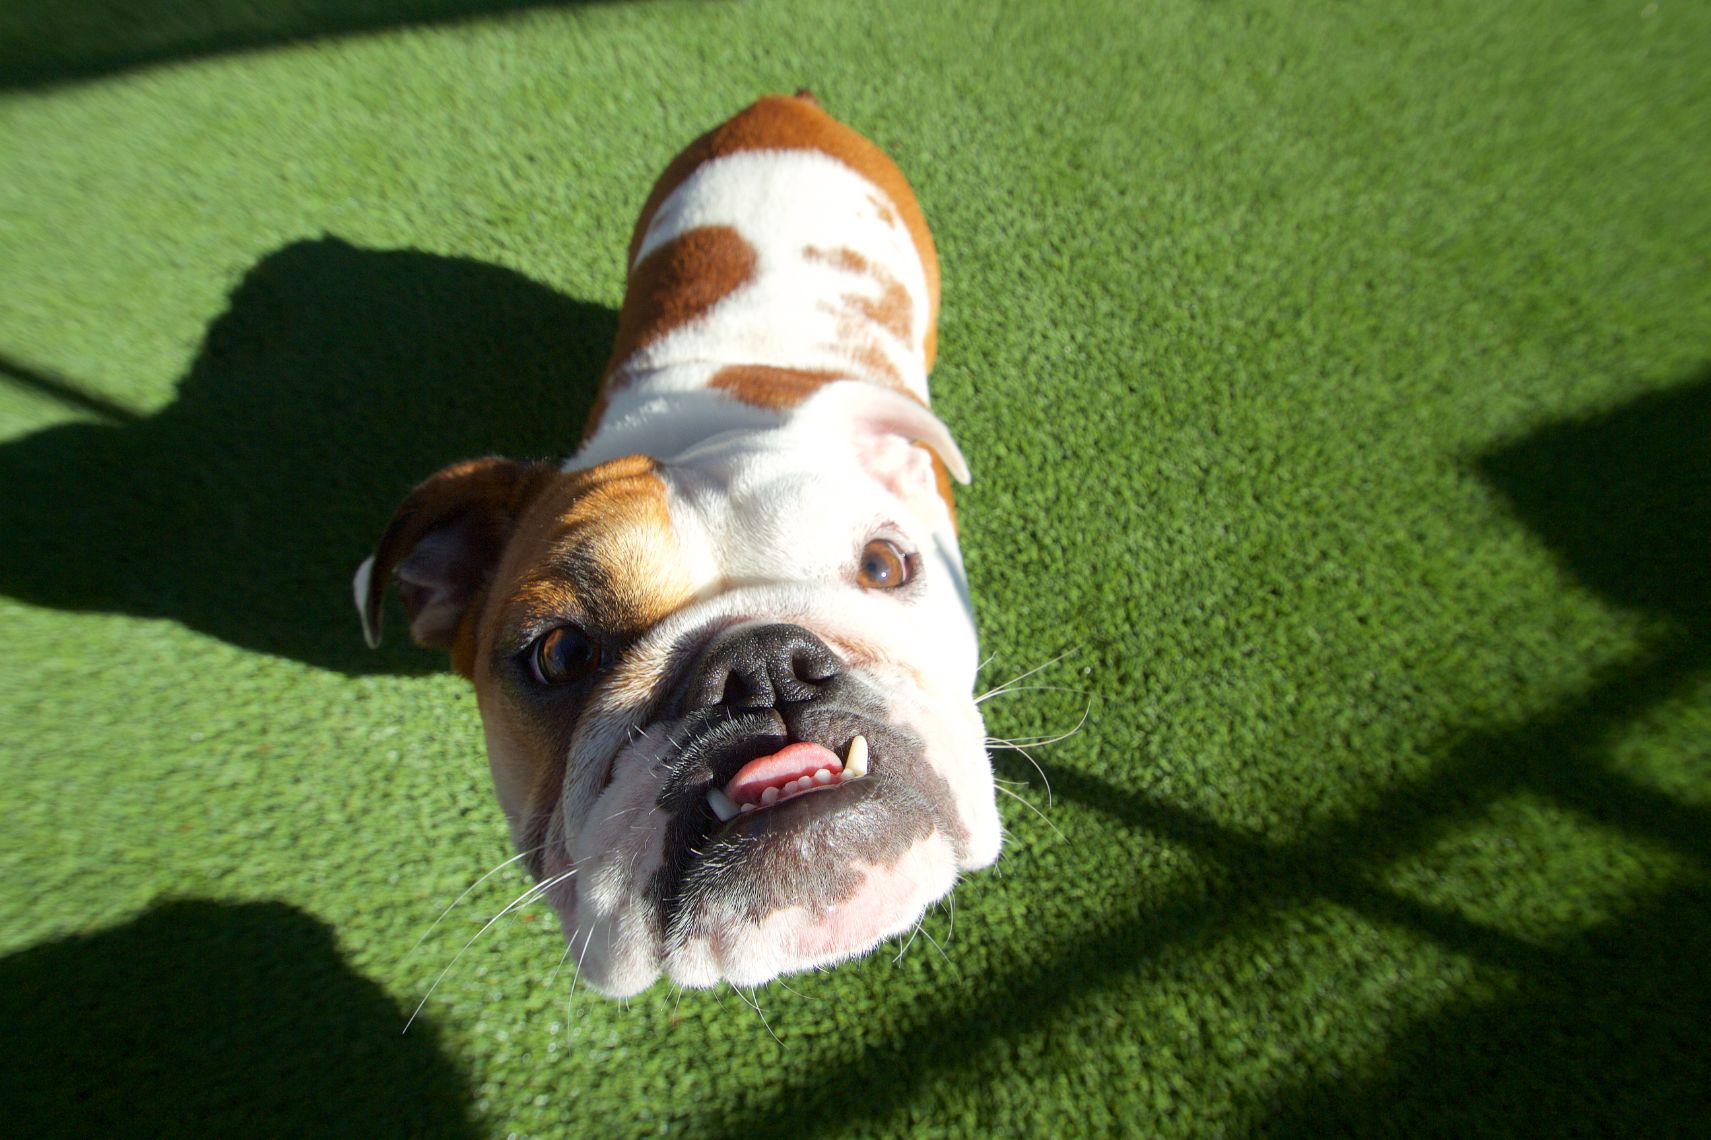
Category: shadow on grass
[211,1019]
[1604,1032]
[337,378]
[1608,1040]
[1624,500]
[1607,1035]
[48,42]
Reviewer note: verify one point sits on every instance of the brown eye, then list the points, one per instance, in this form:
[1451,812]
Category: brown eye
[883,566]
[563,655]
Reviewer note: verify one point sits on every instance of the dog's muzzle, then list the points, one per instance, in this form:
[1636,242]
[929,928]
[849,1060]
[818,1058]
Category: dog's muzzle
[786,765]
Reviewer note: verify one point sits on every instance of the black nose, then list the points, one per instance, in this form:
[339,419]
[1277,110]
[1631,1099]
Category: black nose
[765,667]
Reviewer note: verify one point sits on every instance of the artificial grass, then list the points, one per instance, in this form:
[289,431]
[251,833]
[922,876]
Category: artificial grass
[1335,381]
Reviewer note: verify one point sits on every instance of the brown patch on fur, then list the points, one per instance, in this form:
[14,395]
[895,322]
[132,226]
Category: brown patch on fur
[871,357]
[679,282]
[468,510]
[780,122]
[892,311]
[765,386]
[594,548]
[845,258]
[596,545]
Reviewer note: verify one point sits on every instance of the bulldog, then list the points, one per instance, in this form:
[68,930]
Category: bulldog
[724,655]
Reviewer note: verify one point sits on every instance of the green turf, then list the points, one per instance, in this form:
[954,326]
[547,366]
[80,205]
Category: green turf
[1337,383]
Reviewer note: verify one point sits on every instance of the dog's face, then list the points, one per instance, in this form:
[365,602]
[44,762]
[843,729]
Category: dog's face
[726,693]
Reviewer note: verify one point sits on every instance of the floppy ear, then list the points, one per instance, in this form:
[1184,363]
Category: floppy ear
[897,438]
[443,544]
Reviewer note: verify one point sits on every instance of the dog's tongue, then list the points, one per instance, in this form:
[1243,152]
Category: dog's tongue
[790,763]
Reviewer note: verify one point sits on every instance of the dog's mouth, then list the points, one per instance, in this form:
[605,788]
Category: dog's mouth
[768,806]
[796,770]
[733,770]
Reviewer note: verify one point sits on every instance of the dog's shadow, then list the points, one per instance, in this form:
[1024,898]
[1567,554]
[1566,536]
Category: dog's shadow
[337,378]
[204,1018]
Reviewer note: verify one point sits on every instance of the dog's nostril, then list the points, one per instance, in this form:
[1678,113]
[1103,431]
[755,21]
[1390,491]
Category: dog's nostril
[761,668]
[736,691]
[814,668]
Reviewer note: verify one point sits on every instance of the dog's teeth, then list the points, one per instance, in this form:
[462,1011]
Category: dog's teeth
[823,777]
[722,805]
[746,807]
[770,796]
[855,766]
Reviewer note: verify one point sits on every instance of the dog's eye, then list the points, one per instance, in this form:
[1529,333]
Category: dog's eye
[884,566]
[565,654]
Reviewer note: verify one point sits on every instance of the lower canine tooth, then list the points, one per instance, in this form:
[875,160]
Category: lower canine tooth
[722,805]
[855,765]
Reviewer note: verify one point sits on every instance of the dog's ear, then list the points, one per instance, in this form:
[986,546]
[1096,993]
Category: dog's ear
[896,437]
[443,543]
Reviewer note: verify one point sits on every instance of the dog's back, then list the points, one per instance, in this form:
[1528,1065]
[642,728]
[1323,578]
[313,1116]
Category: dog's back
[778,252]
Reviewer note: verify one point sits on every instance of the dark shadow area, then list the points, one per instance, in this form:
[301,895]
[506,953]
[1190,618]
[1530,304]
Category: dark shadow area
[1624,500]
[1610,1041]
[337,378]
[1607,1035]
[1605,1031]
[211,1019]
[48,42]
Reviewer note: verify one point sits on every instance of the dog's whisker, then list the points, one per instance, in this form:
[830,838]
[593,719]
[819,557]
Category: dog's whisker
[1023,749]
[1036,811]
[754,1004]
[576,974]
[1018,743]
[767,1025]
[897,960]
[535,891]
[786,985]
[935,944]
[466,892]
[1042,741]
[1024,676]
[1009,689]
[552,978]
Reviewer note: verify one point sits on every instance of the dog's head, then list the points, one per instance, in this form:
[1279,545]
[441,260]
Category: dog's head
[726,692]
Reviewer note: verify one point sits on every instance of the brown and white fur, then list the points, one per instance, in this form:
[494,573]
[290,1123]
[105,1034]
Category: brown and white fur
[750,563]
